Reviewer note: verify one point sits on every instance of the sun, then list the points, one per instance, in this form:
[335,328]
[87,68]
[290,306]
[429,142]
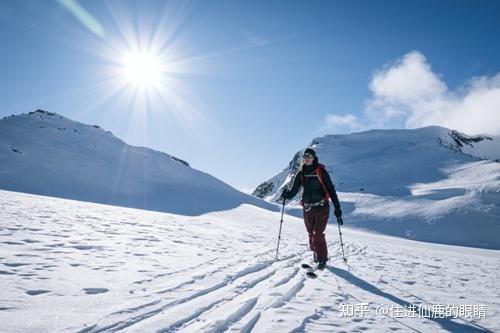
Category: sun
[147,68]
[141,69]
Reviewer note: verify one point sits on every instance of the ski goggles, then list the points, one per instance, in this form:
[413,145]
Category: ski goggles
[307,156]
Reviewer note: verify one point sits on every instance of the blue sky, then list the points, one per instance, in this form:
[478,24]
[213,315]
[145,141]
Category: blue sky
[246,84]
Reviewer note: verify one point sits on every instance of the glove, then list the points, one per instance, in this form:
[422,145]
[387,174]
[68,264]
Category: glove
[338,213]
[285,195]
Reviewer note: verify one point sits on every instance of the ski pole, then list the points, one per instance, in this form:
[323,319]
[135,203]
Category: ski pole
[281,223]
[339,222]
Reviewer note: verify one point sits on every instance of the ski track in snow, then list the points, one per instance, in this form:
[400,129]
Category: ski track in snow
[79,267]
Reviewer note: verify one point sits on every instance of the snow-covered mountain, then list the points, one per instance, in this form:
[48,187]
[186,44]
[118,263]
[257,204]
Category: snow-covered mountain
[48,154]
[72,266]
[431,184]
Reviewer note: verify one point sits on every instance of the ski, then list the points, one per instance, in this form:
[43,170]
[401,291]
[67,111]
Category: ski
[312,274]
[310,271]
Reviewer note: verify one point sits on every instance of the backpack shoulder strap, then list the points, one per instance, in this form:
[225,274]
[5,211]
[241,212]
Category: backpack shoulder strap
[319,170]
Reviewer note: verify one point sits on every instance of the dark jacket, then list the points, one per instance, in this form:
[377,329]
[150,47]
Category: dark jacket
[313,191]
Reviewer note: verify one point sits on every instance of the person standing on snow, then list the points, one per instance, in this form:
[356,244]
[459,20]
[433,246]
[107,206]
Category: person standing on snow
[318,188]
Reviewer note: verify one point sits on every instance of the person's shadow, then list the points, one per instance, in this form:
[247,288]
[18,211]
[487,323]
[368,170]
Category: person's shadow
[446,323]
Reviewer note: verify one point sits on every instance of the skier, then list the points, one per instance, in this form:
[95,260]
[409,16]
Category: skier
[318,188]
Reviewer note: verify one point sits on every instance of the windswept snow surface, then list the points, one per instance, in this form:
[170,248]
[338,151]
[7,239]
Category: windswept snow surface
[69,266]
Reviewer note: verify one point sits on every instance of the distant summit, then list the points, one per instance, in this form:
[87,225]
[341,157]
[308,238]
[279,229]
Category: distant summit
[45,153]
[383,152]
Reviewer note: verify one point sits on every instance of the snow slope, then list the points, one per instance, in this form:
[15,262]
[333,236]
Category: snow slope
[69,266]
[429,184]
[45,153]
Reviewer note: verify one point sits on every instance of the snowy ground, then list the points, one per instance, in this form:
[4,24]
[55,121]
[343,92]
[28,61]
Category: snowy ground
[68,266]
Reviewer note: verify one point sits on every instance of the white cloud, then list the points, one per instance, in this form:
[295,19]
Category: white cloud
[408,93]
[339,124]
[409,80]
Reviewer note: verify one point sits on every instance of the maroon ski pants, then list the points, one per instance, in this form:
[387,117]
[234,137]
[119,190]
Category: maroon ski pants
[316,220]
